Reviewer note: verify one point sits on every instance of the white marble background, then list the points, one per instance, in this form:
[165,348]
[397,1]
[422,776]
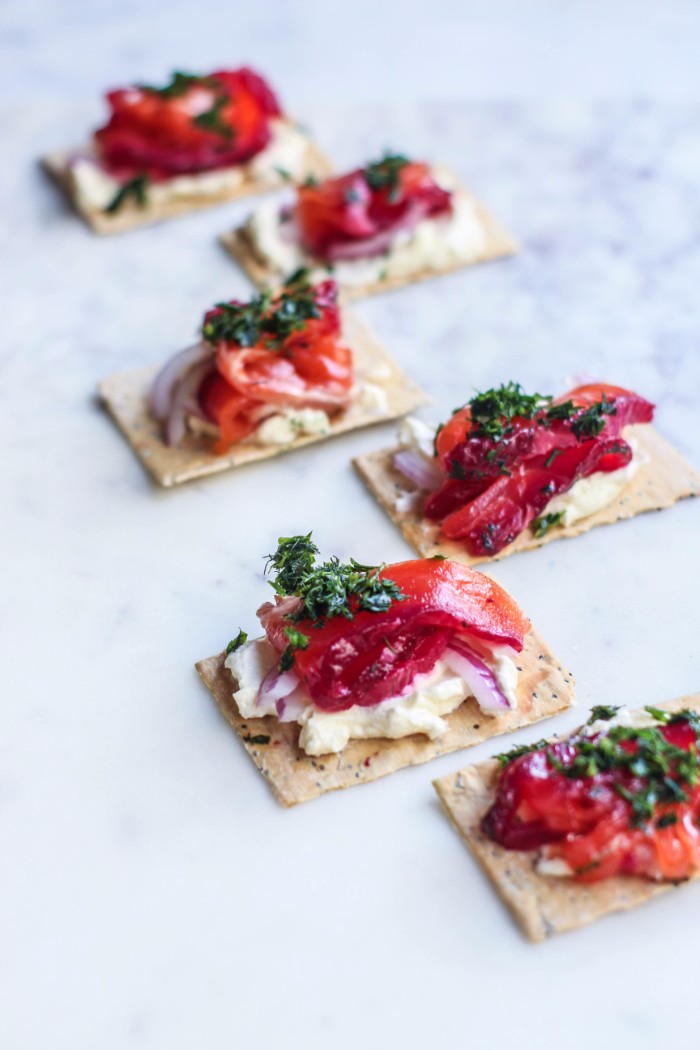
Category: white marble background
[152,893]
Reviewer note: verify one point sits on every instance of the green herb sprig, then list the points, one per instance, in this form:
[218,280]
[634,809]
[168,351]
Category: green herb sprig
[235,643]
[333,588]
[179,84]
[212,119]
[385,173]
[541,526]
[297,640]
[506,757]
[664,770]
[492,410]
[590,423]
[135,189]
[264,319]
[602,713]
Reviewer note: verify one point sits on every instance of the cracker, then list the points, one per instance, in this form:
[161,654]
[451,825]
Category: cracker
[498,244]
[659,482]
[130,216]
[125,396]
[542,905]
[544,689]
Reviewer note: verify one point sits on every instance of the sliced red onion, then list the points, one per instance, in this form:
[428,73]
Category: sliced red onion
[164,383]
[290,707]
[478,676]
[276,685]
[184,402]
[368,247]
[423,472]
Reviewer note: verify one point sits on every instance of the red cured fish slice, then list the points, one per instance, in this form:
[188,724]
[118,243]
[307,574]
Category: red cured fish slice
[234,414]
[497,485]
[359,214]
[195,124]
[311,367]
[495,517]
[589,821]
[317,375]
[456,442]
[378,654]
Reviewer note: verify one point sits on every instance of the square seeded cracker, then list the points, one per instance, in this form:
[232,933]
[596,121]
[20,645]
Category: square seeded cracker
[544,689]
[125,396]
[542,905]
[498,245]
[659,482]
[130,216]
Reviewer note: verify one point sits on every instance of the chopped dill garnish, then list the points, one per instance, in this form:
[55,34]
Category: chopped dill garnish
[602,713]
[235,643]
[135,189]
[506,757]
[541,526]
[180,84]
[333,588]
[265,319]
[385,173]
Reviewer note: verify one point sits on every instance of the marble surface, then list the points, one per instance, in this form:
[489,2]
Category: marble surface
[152,892]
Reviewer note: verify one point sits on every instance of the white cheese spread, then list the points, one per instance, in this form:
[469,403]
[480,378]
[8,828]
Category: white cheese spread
[373,398]
[284,427]
[435,243]
[422,710]
[555,867]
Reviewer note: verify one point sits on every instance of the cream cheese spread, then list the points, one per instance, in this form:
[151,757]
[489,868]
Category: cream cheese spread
[421,710]
[284,427]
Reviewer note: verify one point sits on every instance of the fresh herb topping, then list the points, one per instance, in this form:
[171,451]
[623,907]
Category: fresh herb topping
[265,318]
[260,738]
[235,643]
[658,714]
[333,588]
[660,771]
[385,173]
[591,423]
[135,189]
[545,522]
[297,640]
[212,119]
[602,713]
[562,410]
[506,757]
[180,84]
[492,410]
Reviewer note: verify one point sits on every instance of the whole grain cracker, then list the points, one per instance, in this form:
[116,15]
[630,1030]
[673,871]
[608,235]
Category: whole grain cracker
[544,689]
[125,396]
[659,482]
[542,904]
[498,245]
[130,216]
